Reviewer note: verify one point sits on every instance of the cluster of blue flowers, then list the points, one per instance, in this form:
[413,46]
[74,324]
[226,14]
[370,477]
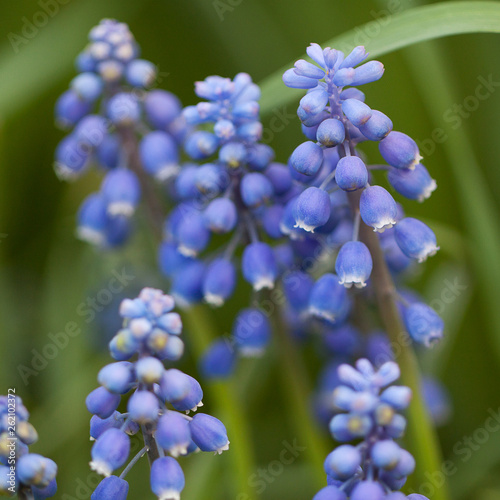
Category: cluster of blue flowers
[119,126]
[30,475]
[338,192]
[377,467]
[345,344]
[236,209]
[159,404]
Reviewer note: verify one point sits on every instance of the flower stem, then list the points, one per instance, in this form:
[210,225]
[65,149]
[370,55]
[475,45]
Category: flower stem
[227,398]
[299,392]
[25,493]
[421,434]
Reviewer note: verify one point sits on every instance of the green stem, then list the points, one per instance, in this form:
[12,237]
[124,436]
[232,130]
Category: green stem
[25,493]
[421,434]
[227,398]
[299,391]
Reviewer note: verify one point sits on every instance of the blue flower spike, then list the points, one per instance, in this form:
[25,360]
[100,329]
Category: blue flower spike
[159,402]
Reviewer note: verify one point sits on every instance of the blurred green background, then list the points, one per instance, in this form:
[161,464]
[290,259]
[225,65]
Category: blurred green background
[45,273]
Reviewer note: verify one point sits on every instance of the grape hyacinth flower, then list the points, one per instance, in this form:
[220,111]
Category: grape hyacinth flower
[119,123]
[336,194]
[30,475]
[159,403]
[377,467]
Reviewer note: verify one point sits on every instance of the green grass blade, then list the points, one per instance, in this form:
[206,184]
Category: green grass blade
[398,31]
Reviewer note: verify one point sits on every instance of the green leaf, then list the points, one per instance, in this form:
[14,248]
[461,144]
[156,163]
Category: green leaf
[401,30]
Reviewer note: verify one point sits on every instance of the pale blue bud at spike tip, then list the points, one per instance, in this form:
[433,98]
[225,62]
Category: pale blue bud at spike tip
[173,434]
[378,208]
[415,239]
[259,266]
[328,299]
[398,397]
[88,86]
[209,433]
[414,184]
[368,73]
[161,108]
[159,155]
[255,189]
[218,360]
[314,101]
[293,80]
[343,462]
[251,332]
[307,158]
[110,451]
[354,264]
[423,323]
[233,154]
[167,479]
[377,127]
[330,493]
[140,73]
[400,150]
[330,132]
[357,112]
[219,281]
[149,370]
[102,403]
[111,487]
[312,209]
[351,173]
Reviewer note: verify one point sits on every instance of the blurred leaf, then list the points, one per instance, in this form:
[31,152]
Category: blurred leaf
[446,295]
[27,70]
[401,30]
[470,472]
[477,204]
